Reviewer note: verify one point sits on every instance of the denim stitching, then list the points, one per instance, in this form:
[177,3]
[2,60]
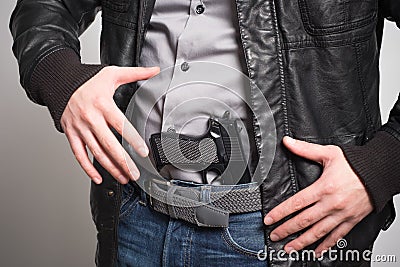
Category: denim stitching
[186,255]
[190,247]
[131,206]
[226,236]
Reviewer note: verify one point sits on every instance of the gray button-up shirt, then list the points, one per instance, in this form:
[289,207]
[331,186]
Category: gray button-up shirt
[180,33]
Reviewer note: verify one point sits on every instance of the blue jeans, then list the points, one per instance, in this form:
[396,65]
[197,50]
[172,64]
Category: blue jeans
[149,238]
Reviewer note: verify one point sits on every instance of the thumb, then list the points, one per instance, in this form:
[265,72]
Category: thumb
[314,152]
[126,75]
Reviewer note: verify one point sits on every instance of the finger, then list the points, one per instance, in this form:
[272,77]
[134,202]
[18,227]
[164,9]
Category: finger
[314,152]
[302,199]
[315,233]
[114,150]
[81,155]
[132,74]
[332,239]
[303,220]
[103,158]
[120,123]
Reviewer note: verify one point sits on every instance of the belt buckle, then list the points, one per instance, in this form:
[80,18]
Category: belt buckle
[204,214]
[209,216]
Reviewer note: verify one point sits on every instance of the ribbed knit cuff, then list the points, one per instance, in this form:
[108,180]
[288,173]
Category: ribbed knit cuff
[377,164]
[57,76]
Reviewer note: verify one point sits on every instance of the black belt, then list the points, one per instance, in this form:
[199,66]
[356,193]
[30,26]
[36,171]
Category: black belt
[203,204]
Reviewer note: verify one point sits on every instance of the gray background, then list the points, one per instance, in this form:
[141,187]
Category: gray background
[44,195]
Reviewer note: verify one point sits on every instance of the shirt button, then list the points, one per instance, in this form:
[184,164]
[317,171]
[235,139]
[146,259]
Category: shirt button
[200,9]
[110,193]
[185,66]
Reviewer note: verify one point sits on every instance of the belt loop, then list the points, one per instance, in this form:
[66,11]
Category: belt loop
[142,197]
[170,201]
[205,194]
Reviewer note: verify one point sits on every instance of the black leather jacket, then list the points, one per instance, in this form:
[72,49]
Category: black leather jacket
[316,62]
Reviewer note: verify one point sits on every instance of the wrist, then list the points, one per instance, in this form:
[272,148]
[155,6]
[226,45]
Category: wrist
[57,76]
[376,164]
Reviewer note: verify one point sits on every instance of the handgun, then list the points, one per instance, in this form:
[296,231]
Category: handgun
[219,150]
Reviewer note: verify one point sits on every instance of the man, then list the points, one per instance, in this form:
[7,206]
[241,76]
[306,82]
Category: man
[316,64]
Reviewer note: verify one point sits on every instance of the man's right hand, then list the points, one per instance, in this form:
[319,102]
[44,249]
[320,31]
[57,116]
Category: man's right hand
[91,112]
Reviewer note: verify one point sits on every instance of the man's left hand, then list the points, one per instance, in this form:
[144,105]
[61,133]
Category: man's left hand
[332,205]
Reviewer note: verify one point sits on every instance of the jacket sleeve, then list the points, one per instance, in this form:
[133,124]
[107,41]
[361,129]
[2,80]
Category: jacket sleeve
[377,163]
[46,45]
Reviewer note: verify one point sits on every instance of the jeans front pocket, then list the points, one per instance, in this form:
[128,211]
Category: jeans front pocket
[245,233]
[129,199]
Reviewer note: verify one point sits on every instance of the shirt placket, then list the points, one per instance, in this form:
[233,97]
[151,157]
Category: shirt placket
[184,46]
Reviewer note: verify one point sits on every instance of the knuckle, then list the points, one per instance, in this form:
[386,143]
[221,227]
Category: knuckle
[119,127]
[304,222]
[96,152]
[339,204]
[330,147]
[107,144]
[86,115]
[80,158]
[113,69]
[318,193]
[299,243]
[281,231]
[297,203]
[334,151]
[67,130]
[324,247]
[349,217]
[122,162]
[110,70]
[329,155]
[101,103]
[65,125]
[329,188]
[72,131]
[321,233]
